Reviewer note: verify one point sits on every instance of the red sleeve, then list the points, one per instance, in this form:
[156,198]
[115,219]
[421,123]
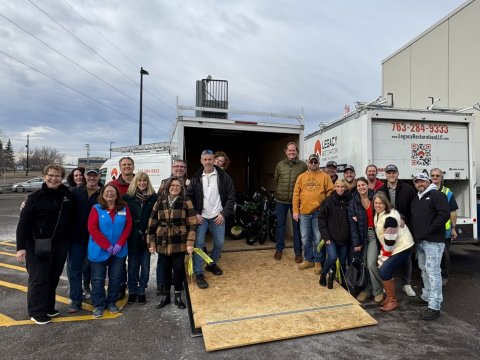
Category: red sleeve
[94,230]
[128,228]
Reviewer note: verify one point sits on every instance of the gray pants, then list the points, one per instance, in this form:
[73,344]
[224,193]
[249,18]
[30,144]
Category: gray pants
[370,254]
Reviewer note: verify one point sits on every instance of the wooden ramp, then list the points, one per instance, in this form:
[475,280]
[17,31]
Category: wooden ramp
[259,299]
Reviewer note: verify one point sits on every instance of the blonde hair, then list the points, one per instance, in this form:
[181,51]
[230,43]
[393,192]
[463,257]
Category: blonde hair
[134,184]
[341,182]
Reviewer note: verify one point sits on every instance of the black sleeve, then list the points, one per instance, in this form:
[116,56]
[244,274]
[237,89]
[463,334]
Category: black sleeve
[453,203]
[25,224]
[323,221]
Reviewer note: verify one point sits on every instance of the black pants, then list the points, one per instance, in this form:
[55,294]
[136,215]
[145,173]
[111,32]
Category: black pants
[175,262]
[445,264]
[43,277]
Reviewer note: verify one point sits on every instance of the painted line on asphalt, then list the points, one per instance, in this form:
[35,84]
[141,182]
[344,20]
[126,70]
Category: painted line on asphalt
[6,321]
[8,254]
[14,267]
[6,243]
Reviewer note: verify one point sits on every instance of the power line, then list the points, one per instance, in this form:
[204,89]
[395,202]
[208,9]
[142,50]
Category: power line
[116,48]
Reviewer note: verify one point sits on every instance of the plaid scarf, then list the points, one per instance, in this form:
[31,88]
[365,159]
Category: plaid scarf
[141,196]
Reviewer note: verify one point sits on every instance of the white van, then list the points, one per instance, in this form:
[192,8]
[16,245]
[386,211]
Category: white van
[156,165]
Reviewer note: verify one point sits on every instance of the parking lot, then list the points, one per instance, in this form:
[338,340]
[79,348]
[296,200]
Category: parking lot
[143,332]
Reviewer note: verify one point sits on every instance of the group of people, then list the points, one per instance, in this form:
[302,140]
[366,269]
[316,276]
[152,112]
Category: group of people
[98,227]
[366,220]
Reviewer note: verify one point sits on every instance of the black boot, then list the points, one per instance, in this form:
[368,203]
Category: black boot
[178,300]
[164,300]
[160,289]
[323,280]
[331,277]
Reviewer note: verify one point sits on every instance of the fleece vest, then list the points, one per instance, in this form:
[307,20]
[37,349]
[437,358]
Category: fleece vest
[112,230]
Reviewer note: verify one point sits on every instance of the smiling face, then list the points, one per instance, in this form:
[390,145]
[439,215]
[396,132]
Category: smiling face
[126,167]
[109,194]
[92,180]
[313,165]
[392,177]
[53,178]
[362,187]
[349,175]
[179,168]
[78,177]
[220,161]
[291,152]
[378,205]
[142,184]
[339,188]
[371,173]
[436,177]
[175,188]
[207,161]
[421,185]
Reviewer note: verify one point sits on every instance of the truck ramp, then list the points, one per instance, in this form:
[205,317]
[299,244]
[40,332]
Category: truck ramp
[259,299]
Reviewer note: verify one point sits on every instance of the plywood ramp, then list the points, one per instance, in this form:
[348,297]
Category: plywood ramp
[259,299]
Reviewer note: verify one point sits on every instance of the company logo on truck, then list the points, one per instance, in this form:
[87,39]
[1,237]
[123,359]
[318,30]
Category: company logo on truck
[325,147]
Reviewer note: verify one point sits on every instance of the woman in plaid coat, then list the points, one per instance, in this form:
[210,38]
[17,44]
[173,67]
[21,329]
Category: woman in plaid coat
[171,233]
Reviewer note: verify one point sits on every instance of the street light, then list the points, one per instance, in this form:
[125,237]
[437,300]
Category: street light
[111,142]
[142,72]
[28,147]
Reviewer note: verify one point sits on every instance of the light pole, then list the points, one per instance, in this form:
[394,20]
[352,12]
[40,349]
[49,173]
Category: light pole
[88,153]
[111,142]
[142,72]
[28,147]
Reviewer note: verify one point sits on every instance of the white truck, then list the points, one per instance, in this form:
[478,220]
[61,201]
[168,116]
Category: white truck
[254,147]
[414,140]
[157,165]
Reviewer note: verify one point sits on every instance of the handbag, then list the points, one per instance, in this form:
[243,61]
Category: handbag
[43,246]
[357,275]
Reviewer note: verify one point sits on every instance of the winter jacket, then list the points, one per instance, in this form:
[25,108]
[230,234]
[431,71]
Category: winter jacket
[404,238]
[120,184]
[226,190]
[333,219]
[171,230]
[378,184]
[82,205]
[311,188]
[40,215]
[285,176]
[429,215]
[358,227]
[404,194]
[137,241]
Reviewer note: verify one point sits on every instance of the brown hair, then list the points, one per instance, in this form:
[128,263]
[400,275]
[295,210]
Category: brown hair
[126,158]
[226,163]
[166,188]
[119,203]
[55,167]
[292,143]
[383,198]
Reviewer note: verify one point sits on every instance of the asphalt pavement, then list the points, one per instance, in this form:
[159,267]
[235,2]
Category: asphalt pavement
[143,332]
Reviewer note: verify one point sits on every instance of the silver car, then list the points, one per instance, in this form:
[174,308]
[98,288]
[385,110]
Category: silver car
[29,185]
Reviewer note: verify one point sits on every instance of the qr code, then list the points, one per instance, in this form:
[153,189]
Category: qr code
[421,154]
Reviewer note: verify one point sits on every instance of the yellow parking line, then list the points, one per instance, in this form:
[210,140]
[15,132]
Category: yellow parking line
[14,267]
[7,253]
[8,243]
[5,321]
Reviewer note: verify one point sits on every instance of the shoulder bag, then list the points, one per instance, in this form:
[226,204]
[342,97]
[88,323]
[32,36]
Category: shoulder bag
[43,246]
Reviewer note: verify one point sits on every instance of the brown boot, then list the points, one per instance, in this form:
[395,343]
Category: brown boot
[318,268]
[391,303]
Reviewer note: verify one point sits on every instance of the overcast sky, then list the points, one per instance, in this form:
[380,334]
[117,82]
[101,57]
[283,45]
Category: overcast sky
[70,69]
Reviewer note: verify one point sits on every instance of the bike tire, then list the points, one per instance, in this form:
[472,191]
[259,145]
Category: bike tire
[272,230]
[250,237]
[263,233]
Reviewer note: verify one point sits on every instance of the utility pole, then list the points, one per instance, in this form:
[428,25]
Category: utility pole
[88,154]
[28,147]
[142,72]
[111,142]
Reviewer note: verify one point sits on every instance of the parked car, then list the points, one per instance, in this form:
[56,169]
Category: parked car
[29,185]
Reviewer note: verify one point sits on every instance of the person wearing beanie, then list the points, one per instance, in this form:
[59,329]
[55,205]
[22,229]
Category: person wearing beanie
[396,246]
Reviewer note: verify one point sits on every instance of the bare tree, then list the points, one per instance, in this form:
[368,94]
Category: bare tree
[40,157]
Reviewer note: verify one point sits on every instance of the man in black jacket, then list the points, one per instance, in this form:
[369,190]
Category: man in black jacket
[213,196]
[430,211]
[400,195]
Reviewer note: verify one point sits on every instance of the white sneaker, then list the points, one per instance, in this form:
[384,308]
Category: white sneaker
[407,289]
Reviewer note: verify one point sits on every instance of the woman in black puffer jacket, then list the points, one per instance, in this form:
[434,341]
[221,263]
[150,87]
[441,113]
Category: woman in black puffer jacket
[335,231]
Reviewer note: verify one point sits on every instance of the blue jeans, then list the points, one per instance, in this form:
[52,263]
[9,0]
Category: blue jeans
[115,266]
[75,267]
[393,263]
[138,272]
[333,251]
[281,211]
[429,259]
[310,236]
[218,235]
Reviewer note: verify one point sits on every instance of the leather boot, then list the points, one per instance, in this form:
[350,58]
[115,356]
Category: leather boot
[164,300]
[178,300]
[391,303]
[331,277]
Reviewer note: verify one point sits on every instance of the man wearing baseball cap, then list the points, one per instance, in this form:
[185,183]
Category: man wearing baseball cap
[430,212]
[400,194]
[331,170]
[349,176]
[311,189]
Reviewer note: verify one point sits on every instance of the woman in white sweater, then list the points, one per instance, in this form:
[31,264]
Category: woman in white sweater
[396,245]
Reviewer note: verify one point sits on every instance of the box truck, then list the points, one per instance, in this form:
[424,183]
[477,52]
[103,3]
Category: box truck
[157,165]
[254,147]
[414,140]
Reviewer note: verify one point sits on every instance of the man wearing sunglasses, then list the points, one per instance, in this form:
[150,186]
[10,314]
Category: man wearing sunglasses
[450,226]
[311,188]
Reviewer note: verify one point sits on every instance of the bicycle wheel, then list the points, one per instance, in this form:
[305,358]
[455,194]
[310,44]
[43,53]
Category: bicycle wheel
[263,231]
[251,235]
[272,229]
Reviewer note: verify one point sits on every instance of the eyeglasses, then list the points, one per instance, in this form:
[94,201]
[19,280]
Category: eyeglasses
[207,152]
[179,166]
[53,176]
[313,161]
